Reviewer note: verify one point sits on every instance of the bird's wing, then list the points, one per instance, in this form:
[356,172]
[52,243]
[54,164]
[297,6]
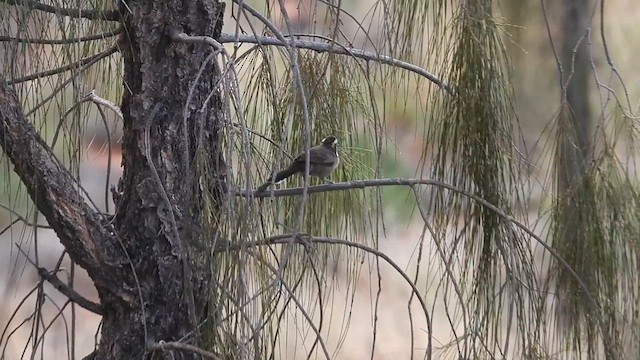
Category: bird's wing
[316,160]
[300,158]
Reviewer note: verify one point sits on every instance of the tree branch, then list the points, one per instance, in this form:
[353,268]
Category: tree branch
[77,64]
[53,190]
[361,184]
[63,288]
[109,15]
[355,184]
[102,36]
[336,49]
[304,239]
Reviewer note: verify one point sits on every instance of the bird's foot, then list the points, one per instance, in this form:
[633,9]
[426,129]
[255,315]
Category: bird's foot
[329,181]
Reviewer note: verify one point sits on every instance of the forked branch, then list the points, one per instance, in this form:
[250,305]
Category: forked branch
[53,190]
[63,288]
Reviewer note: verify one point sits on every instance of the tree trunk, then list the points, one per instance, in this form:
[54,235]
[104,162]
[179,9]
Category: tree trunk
[142,260]
[577,71]
[159,75]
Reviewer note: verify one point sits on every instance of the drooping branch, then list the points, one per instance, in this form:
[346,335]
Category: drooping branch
[82,62]
[53,190]
[361,184]
[336,49]
[110,15]
[304,239]
[101,36]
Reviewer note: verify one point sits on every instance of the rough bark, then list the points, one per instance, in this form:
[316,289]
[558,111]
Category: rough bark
[86,234]
[140,260]
[158,78]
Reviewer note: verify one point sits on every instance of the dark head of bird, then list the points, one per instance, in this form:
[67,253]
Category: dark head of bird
[330,141]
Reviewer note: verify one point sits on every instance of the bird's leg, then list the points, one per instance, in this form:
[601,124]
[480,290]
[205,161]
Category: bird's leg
[328,181]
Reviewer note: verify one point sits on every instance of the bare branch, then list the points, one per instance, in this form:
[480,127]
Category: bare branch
[303,239]
[53,190]
[361,184]
[336,49]
[109,15]
[63,288]
[79,63]
[102,36]
[355,184]
[20,218]
[176,34]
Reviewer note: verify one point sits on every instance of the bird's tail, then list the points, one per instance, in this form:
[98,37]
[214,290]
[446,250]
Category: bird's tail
[281,175]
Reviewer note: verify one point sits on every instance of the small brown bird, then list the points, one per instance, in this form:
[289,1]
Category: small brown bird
[323,159]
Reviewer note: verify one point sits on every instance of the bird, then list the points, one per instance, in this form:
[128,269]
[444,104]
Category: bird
[323,159]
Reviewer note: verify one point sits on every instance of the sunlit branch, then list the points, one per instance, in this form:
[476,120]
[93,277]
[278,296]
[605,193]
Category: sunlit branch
[336,49]
[110,15]
[96,99]
[105,35]
[61,69]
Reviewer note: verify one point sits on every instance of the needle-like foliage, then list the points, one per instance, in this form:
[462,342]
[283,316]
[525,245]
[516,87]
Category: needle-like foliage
[288,272]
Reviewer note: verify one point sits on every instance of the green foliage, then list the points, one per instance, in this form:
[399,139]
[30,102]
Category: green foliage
[595,224]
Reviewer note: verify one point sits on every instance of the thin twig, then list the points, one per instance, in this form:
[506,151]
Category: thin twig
[603,37]
[95,98]
[302,239]
[278,273]
[10,320]
[21,218]
[46,328]
[361,184]
[58,88]
[337,49]
[109,15]
[63,288]
[61,69]
[102,36]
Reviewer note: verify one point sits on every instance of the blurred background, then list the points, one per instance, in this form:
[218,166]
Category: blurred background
[535,83]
